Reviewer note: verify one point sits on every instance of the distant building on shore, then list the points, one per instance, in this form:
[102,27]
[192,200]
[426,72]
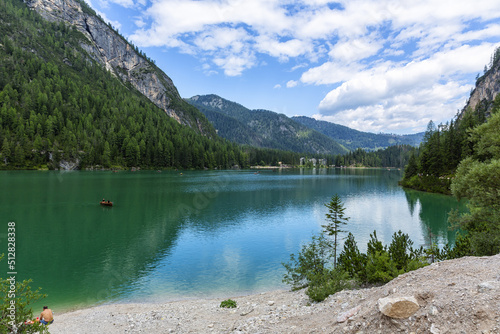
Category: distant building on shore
[314,161]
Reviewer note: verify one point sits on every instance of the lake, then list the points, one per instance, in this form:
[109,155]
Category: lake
[200,234]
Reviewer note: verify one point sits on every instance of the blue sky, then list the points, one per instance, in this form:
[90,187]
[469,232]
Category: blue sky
[373,65]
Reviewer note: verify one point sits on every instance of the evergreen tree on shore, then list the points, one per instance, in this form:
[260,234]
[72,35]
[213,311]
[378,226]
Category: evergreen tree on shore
[336,219]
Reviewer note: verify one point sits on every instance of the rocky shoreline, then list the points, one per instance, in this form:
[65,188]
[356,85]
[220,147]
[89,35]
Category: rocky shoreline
[457,296]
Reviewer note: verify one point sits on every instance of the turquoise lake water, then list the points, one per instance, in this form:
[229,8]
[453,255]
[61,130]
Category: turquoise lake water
[197,235]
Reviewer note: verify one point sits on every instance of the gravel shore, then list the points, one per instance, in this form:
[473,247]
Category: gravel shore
[457,296]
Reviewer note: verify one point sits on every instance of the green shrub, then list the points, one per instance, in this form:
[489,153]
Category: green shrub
[13,322]
[399,249]
[351,260]
[228,303]
[402,253]
[428,183]
[462,247]
[380,268]
[311,262]
[328,283]
[374,245]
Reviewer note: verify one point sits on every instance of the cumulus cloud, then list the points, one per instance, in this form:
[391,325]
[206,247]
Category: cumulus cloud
[235,64]
[432,88]
[350,50]
[379,59]
[139,22]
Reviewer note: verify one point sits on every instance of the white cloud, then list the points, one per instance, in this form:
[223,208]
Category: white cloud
[356,49]
[277,86]
[234,65]
[492,30]
[124,3]
[405,113]
[330,73]
[221,38]
[378,84]
[282,50]
[406,96]
[299,66]
[139,22]
[380,59]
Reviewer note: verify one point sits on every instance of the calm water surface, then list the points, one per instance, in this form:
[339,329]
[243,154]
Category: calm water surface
[200,234]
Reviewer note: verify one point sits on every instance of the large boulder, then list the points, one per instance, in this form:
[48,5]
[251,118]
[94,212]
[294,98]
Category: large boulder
[398,307]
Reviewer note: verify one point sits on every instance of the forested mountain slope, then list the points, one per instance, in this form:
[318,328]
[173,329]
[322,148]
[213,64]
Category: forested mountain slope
[58,104]
[263,128]
[354,139]
[446,145]
[462,157]
[125,61]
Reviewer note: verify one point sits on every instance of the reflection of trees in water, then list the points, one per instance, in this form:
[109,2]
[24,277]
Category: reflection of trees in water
[433,210]
[412,199]
[96,252]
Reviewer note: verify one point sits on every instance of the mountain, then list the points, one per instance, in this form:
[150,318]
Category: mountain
[471,135]
[262,128]
[105,46]
[61,106]
[463,158]
[487,87]
[354,139]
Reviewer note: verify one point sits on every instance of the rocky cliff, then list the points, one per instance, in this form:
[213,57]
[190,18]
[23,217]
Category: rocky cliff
[112,51]
[487,87]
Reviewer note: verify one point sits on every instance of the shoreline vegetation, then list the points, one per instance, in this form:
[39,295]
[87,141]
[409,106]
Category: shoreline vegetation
[462,158]
[123,168]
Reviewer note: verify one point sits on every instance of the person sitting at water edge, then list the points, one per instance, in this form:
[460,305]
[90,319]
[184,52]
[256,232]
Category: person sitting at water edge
[46,317]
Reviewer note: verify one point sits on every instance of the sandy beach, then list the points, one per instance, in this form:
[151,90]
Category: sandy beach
[457,296]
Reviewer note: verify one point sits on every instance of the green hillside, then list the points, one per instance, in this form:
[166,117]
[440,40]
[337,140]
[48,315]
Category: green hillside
[354,139]
[58,105]
[263,128]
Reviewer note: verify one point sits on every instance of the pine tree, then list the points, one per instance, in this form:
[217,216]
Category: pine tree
[351,259]
[6,150]
[336,218]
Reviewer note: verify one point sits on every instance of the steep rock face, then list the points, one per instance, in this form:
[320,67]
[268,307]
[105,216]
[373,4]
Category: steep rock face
[118,56]
[487,87]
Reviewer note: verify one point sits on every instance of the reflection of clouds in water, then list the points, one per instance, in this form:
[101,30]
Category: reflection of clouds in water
[230,263]
[254,222]
[384,214]
[251,182]
[319,211]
